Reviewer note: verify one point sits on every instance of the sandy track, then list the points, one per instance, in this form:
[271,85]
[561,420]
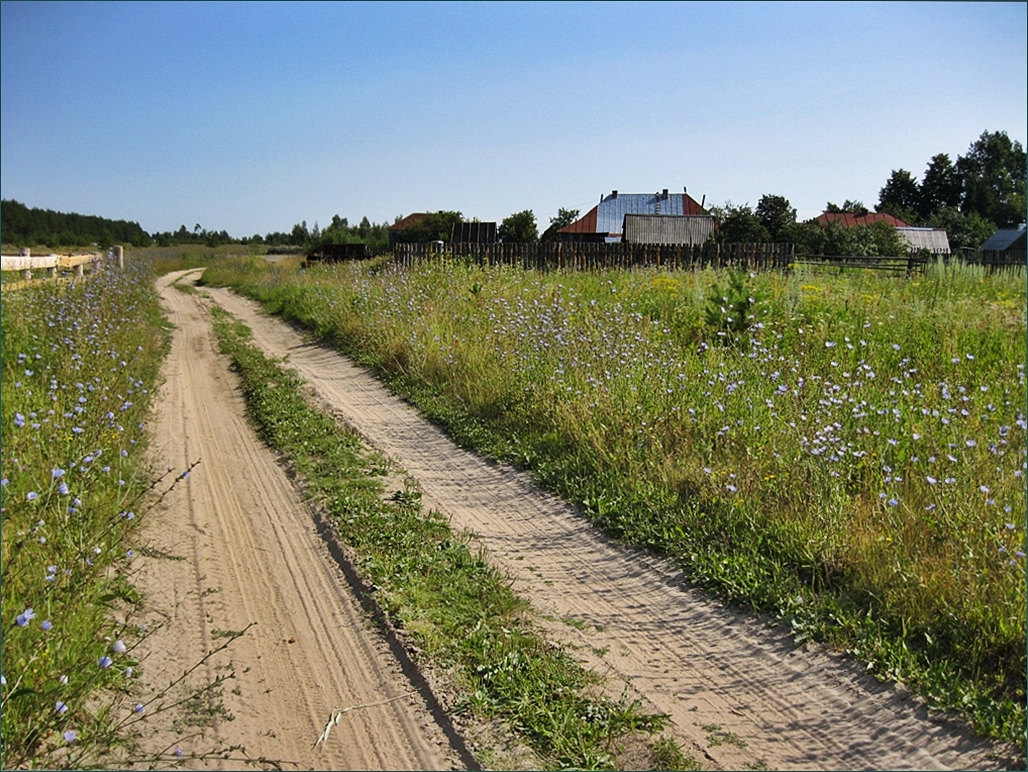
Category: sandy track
[714,671]
[247,550]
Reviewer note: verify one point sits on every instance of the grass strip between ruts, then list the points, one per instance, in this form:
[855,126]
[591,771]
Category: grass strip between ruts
[459,610]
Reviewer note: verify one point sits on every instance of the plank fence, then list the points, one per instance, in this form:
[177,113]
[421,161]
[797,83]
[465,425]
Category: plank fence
[557,255]
[995,260]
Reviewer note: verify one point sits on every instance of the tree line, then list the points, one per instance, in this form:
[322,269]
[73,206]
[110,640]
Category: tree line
[981,192]
[23,226]
[970,198]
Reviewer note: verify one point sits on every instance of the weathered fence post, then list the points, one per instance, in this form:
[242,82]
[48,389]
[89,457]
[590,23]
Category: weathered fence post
[119,253]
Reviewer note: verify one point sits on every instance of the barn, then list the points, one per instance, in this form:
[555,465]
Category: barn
[605,221]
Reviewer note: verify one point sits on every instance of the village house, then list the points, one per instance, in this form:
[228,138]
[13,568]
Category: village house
[935,240]
[605,222]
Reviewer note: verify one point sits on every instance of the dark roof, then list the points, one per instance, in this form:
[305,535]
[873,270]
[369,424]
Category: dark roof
[1007,238]
[473,233]
[609,215]
[851,220]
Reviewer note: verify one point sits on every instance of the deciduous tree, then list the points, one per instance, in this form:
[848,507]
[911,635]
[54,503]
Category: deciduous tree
[519,228]
[775,214]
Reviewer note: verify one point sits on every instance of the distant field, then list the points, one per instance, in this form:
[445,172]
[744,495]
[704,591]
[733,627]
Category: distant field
[846,453]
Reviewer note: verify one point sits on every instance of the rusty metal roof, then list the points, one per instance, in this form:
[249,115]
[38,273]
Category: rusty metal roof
[609,215]
[851,220]
[412,219]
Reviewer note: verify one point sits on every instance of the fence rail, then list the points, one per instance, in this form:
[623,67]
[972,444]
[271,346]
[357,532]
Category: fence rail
[53,265]
[586,256]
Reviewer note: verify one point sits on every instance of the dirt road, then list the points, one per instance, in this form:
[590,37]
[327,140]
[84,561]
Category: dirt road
[233,545]
[735,689]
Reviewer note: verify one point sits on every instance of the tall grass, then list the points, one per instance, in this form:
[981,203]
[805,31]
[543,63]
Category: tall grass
[79,363]
[851,459]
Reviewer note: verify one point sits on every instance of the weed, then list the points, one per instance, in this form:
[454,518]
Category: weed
[667,754]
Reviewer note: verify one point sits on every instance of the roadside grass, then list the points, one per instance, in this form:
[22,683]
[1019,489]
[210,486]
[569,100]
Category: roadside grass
[850,460]
[79,364]
[433,584]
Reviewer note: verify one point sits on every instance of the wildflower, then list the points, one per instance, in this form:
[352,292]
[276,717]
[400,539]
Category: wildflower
[931,480]
[25,617]
[60,707]
[139,708]
[63,679]
[118,647]
[971,443]
[893,502]
[31,496]
[63,489]
[105,662]
[57,473]
[70,735]
[731,488]
[178,753]
[983,488]
[46,624]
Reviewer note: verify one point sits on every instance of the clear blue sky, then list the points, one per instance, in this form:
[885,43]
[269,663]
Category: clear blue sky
[251,117]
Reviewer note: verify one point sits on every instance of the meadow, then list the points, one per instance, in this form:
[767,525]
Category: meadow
[79,363]
[844,452]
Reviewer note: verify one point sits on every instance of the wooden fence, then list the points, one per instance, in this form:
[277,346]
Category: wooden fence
[907,265]
[586,257]
[51,266]
[598,256]
[994,260]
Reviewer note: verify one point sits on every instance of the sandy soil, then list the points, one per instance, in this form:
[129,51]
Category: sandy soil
[233,546]
[736,690]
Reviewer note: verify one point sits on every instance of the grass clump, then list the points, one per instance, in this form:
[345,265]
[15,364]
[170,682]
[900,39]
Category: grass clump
[430,581]
[846,454]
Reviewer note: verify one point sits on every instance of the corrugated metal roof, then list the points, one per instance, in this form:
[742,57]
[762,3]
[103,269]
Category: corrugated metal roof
[853,220]
[667,229]
[609,215]
[934,240]
[1005,239]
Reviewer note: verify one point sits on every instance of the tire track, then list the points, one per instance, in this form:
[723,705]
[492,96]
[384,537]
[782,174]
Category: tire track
[738,690]
[250,552]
